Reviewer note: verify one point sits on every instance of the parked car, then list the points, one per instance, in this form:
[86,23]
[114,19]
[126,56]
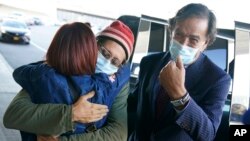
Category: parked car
[14,31]
[37,21]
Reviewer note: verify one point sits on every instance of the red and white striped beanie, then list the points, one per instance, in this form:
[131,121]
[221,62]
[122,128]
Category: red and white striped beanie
[120,33]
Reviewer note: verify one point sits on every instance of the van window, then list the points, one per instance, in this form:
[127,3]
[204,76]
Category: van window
[217,52]
[241,83]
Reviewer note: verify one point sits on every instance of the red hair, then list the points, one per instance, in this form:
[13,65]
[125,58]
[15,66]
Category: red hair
[73,50]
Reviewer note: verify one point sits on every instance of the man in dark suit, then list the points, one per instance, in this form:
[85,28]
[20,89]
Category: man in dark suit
[181,93]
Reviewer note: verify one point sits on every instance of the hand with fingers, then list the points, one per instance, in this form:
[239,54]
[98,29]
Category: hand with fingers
[86,112]
[172,79]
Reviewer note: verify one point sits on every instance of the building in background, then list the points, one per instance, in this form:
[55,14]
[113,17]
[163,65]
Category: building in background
[52,12]
[29,10]
[97,22]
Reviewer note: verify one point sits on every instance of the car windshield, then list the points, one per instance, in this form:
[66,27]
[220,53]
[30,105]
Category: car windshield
[14,24]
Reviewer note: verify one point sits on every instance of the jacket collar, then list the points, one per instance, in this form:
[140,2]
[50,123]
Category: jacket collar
[193,72]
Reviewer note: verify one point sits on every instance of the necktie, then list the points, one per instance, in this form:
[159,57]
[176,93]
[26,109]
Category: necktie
[161,101]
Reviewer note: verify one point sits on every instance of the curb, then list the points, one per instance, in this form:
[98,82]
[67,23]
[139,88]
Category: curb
[7,83]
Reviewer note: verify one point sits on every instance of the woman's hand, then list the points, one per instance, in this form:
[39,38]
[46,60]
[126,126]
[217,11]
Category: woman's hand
[47,138]
[85,112]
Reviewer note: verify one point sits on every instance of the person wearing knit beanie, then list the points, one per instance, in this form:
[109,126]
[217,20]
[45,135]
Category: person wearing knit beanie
[119,33]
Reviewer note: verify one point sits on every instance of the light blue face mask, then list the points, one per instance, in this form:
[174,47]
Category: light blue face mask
[103,65]
[187,53]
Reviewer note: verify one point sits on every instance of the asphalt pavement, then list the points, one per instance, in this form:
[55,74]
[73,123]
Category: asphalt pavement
[8,89]
[13,56]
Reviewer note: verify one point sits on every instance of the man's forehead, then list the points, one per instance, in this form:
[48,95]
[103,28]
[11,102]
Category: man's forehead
[192,27]
[184,32]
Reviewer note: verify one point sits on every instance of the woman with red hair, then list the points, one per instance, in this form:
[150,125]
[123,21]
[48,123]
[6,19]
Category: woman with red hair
[72,70]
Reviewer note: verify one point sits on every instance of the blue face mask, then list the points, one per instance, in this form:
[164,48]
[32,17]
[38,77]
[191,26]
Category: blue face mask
[104,66]
[187,53]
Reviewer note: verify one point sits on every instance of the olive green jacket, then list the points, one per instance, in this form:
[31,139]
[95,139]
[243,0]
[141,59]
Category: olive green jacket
[55,119]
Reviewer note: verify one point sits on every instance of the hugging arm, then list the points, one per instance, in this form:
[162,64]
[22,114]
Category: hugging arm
[54,119]
[115,128]
[49,119]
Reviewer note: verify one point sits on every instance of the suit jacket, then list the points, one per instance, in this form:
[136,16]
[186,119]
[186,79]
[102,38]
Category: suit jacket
[208,86]
[246,117]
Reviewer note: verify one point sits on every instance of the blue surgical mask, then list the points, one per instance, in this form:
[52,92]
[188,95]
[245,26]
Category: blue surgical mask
[187,53]
[103,65]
